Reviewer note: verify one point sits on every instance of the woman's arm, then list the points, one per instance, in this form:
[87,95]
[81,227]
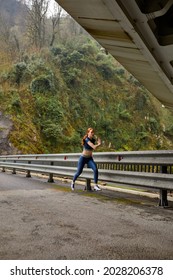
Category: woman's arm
[93,145]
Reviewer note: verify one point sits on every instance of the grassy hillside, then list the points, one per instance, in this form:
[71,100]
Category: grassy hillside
[54,95]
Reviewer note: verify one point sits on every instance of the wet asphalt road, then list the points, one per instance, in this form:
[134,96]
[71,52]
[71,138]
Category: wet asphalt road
[39,220]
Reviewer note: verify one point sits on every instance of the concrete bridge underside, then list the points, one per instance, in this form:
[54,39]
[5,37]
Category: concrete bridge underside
[137,33]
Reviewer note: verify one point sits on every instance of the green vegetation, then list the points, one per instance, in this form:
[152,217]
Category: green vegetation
[54,93]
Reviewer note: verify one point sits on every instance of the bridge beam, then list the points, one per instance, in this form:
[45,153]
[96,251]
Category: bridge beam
[138,34]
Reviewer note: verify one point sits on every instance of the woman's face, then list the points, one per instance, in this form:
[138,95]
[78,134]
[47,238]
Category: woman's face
[91,134]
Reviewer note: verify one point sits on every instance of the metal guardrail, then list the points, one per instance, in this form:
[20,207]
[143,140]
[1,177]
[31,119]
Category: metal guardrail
[149,169]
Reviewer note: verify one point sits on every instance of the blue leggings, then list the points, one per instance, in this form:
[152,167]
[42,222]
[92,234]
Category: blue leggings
[90,164]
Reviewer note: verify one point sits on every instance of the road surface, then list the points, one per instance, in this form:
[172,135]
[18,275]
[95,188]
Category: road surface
[40,220]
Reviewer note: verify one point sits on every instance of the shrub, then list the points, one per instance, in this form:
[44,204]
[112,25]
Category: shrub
[41,84]
[87,49]
[17,73]
[51,131]
[72,76]
[56,50]
[119,71]
[106,71]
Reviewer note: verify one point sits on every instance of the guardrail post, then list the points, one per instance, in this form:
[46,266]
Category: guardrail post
[51,180]
[28,173]
[163,193]
[163,198]
[88,184]
[14,169]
